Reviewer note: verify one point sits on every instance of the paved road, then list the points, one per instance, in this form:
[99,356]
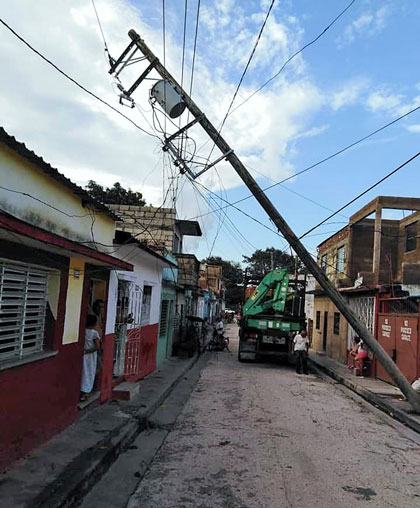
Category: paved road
[259,435]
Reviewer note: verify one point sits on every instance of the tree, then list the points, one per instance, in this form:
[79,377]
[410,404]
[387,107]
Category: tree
[115,195]
[262,261]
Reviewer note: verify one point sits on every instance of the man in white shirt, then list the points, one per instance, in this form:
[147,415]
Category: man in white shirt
[300,347]
[219,326]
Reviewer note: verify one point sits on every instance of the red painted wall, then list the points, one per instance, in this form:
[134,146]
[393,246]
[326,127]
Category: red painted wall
[148,348]
[107,367]
[39,399]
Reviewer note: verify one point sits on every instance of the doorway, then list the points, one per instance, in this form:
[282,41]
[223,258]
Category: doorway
[325,332]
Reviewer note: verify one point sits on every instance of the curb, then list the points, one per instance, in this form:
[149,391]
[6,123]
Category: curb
[370,397]
[85,470]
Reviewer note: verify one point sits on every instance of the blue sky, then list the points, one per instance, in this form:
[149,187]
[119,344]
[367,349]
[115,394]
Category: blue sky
[360,75]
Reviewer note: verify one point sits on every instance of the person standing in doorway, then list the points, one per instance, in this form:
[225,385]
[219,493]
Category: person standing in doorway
[90,357]
[300,347]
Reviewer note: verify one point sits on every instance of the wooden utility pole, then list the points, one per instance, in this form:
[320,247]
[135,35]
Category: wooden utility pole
[412,396]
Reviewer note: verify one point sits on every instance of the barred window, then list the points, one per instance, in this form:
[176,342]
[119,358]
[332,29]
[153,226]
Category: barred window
[411,237]
[23,304]
[318,320]
[324,263]
[146,305]
[336,323]
[341,251]
[164,318]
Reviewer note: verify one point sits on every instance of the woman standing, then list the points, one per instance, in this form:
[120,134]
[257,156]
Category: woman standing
[90,357]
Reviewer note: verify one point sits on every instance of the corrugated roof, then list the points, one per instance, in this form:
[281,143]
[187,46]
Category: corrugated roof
[33,158]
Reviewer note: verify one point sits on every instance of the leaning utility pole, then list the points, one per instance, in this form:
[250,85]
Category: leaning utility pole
[361,330]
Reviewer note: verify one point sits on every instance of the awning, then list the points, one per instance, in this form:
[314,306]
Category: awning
[18,231]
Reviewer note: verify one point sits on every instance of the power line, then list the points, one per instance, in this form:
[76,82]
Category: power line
[74,81]
[234,232]
[100,28]
[296,193]
[329,157]
[296,54]
[230,226]
[251,56]
[388,175]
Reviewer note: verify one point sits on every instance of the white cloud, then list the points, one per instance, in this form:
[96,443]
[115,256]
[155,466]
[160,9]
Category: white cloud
[314,131]
[384,100]
[378,101]
[367,24]
[414,128]
[348,94]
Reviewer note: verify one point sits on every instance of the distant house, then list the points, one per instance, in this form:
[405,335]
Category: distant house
[211,282]
[373,262]
[55,260]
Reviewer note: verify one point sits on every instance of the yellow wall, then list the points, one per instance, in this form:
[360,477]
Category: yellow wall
[18,174]
[336,343]
[74,301]
[53,292]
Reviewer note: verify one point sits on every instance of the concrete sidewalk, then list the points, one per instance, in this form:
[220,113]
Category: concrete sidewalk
[382,395]
[59,472]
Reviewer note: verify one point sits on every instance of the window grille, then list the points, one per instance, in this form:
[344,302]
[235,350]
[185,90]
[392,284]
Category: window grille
[324,263]
[164,317]
[340,259]
[318,320]
[146,305]
[336,323]
[23,303]
[411,237]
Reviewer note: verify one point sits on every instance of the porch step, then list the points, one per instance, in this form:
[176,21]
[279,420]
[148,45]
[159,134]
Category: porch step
[125,391]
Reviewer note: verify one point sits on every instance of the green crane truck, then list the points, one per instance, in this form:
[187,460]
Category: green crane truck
[271,316]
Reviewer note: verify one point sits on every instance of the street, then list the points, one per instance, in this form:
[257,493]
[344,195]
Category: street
[259,435]
[248,435]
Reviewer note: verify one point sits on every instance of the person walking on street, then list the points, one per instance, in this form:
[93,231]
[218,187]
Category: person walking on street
[301,345]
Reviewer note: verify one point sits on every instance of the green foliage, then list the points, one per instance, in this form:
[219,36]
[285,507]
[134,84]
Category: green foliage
[262,261]
[115,195]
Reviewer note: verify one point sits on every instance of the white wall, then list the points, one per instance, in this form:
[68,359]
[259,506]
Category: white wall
[147,271]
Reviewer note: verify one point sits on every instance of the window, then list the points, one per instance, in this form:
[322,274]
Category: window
[23,304]
[341,251]
[318,320]
[411,237]
[164,318]
[336,323]
[324,263]
[146,305]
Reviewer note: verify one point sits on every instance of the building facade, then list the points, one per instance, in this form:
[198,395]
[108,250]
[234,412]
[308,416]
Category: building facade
[52,266]
[370,261]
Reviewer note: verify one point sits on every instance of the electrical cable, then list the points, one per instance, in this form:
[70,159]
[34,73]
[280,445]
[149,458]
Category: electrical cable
[44,203]
[74,81]
[296,54]
[102,32]
[388,175]
[229,225]
[296,193]
[251,56]
[329,157]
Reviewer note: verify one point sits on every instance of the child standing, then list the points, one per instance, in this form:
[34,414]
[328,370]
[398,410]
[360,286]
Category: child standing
[90,357]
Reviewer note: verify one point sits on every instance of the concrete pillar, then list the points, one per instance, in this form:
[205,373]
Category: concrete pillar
[377,244]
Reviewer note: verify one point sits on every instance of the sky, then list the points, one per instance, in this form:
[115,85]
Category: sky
[361,74]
